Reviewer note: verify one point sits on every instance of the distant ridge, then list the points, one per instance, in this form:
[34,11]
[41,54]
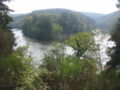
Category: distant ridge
[16,15]
[91,15]
[54,11]
[94,16]
[105,22]
[108,22]
[85,20]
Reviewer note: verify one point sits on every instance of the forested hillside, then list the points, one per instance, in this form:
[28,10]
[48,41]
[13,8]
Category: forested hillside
[108,22]
[52,23]
[88,21]
[17,21]
[93,16]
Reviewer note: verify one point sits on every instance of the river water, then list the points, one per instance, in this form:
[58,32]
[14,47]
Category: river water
[37,49]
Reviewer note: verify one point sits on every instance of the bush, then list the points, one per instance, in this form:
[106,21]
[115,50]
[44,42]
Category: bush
[13,69]
[70,72]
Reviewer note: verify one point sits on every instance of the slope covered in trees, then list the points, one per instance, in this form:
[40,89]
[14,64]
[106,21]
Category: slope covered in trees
[93,16]
[53,23]
[107,23]
[17,21]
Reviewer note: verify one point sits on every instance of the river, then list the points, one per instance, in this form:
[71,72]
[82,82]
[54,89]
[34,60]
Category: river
[37,49]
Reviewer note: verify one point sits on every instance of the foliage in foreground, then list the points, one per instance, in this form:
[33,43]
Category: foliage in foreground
[83,44]
[13,69]
[59,71]
[6,36]
[72,72]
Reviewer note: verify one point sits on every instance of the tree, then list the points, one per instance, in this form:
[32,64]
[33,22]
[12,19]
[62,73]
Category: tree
[41,27]
[57,29]
[6,49]
[83,44]
[14,69]
[6,36]
[69,72]
[114,63]
[4,18]
[70,23]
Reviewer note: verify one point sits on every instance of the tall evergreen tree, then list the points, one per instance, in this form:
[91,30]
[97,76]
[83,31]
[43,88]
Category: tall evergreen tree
[6,36]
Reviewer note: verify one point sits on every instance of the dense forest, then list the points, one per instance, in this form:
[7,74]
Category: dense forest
[53,24]
[107,23]
[18,18]
[94,16]
[58,71]
[52,27]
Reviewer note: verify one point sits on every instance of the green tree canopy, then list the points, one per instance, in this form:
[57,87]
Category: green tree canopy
[6,36]
[83,44]
[52,26]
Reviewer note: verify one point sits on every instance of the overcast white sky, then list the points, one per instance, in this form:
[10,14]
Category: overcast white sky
[97,6]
